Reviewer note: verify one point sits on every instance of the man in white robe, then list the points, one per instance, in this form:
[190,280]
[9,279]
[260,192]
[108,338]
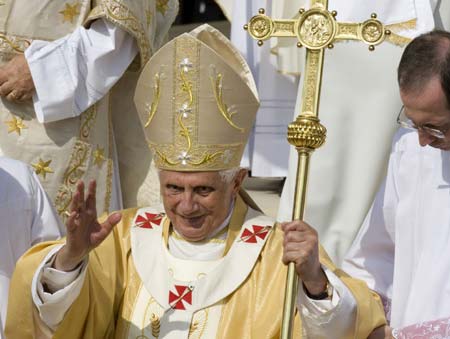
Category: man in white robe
[183,270]
[357,104]
[69,59]
[401,248]
[359,101]
[27,217]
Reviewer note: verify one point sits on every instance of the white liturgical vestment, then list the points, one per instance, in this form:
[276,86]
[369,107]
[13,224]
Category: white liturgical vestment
[359,105]
[26,218]
[401,249]
[186,263]
[81,80]
[82,124]
[359,102]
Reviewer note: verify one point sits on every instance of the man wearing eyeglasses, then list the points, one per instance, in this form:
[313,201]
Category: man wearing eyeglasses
[402,248]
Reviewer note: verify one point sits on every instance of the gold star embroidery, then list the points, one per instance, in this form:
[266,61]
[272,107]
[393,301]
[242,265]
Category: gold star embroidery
[162,6]
[15,125]
[149,16]
[70,12]
[42,168]
[99,156]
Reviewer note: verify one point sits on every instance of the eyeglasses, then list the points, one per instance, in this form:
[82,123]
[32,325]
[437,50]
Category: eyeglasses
[405,122]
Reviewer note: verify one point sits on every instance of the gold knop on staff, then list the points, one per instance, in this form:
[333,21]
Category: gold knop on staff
[315,29]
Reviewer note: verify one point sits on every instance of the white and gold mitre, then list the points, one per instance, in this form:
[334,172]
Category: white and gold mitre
[197,101]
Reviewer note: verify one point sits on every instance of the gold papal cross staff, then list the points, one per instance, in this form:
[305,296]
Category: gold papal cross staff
[315,29]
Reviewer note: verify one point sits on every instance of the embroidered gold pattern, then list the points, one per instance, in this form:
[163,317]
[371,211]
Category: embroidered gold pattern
[10,44]
[74,172]
[153,320]
[99,156]
[227,112]
[149,16]
[15,125]
[77,163]
[88,119]
[121,15]
[42,168]
[109,174]
[198,325]
[70,12]
[162,6]
[156,96]
[185,150]
[156,325]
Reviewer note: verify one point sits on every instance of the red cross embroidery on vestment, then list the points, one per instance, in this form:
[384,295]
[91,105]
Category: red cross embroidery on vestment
[148,220]
[182,294]
[249,236]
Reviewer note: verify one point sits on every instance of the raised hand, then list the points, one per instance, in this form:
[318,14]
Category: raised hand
[301,246]
[84,232]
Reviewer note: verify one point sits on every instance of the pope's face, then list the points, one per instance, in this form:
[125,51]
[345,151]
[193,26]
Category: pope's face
[429,107]
[197,202]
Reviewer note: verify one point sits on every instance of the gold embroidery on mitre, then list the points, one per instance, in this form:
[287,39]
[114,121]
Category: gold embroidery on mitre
[42,168]
[200,119]
[70,12]
[15,125]
[185,152]
[217,85]
[156,97]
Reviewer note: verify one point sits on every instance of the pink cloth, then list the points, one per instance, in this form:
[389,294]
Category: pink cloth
[435,329]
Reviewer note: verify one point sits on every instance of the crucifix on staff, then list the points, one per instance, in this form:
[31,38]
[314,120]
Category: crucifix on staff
[315,29]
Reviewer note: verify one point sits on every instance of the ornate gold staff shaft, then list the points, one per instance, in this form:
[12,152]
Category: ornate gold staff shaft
[305,134]
[316,29]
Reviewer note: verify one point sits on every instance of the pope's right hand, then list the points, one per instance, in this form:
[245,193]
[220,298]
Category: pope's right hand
[84,232]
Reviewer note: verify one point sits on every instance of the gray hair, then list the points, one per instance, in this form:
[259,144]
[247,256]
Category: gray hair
[229,174]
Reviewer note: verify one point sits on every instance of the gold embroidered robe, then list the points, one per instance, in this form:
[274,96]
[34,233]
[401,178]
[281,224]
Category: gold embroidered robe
[68,150]
[106,302]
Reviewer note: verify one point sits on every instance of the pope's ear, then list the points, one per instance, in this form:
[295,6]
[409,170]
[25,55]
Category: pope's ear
[239,179]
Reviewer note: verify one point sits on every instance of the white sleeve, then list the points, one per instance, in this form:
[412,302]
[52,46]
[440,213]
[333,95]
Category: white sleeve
[331,318]
[62,289]
[371,256]
[72,73]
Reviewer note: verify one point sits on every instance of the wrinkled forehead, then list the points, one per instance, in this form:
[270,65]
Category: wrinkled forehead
[190,178]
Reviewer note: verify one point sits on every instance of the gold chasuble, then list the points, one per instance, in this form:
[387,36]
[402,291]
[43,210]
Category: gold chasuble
[248,283]
[68,150]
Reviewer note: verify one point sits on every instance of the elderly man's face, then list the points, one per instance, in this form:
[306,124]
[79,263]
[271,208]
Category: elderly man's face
[429,107]
[197,202]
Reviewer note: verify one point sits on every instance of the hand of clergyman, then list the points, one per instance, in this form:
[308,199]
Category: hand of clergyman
[16,83]
[84,232]
[301,246]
